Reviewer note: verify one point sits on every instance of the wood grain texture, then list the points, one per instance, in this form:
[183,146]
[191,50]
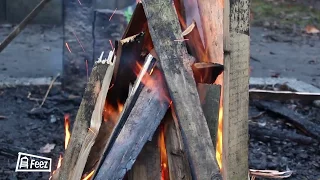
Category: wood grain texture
[141,124]
[211,13]
[147,165]
[164,29]
[210,100]
[82,122]
[178,164]
[235,91]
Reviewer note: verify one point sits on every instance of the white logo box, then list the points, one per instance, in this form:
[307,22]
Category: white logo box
[33,163]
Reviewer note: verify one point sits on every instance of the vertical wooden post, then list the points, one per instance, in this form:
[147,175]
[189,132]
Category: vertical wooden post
[235,89]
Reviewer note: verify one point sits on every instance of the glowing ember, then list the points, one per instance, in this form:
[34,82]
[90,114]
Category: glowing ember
[163,155]
[78,41]
[111,44]
[88,176]
[112,14]
[67,131]
[79,2]
[68,47]
[179,40]
[59,162]
[219,139]
[87,70]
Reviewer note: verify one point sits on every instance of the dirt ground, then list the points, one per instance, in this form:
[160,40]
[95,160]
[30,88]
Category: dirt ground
[280,47]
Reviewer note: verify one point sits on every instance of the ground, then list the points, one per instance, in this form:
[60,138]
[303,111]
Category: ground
[280,47]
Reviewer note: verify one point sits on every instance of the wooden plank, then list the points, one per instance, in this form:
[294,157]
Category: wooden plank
[147,165]
[211,13]
[164,28]
[141,124]
[210,100]
[235,90]
[83,120]
[177,158]
[282,95]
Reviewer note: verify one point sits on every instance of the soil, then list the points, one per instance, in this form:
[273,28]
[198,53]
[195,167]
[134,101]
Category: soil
[280,47]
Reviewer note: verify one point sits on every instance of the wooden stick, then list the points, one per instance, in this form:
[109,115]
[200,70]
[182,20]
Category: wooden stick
[83,119]
[23,24]
[177,158]
[50,86]
[141,124]
[164,28]
[282,95]
[305,125]
[95,122]
[266,134]
[210,100]
[206,72]
[147,165]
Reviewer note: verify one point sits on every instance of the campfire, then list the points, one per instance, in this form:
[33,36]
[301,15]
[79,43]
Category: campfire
[151,106]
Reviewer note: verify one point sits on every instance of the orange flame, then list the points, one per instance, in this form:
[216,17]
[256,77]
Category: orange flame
[220,125]
[88,176]
[67,131]
[111,113]
[59,162]
[163,155]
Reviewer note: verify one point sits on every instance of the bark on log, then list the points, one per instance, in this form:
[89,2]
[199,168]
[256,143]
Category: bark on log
[282,95]
[147,165]
[302,123]
[210,100]
[82,122]
[164,28]
[264,134]
[177,158]
[141,124]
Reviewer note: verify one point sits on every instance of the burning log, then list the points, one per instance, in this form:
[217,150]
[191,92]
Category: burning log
[88,119]
[306,126]
[210,98]
[177,71]
[148,157]
[142,122]
[177,158]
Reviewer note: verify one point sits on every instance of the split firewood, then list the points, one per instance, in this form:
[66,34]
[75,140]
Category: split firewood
[148,157]
[143,120]
[79,141]
[210,100]
[282,95]
[267,134]
[302,123]
[110,130]
[177,157]
[177,71]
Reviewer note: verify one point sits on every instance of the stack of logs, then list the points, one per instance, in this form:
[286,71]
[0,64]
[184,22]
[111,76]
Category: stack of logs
[167,126]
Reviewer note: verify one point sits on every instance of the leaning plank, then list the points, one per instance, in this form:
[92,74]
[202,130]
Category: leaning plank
[194,42]
[141,124]
[164,28]
[282,95]
[147,165]
[95,123]
[210,100]
[300,122]
[83,119]
[177,158]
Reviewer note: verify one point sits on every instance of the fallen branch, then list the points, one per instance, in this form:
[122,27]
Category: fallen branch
[269,174]
[282,95]
[306,126]
[267,134]
[50,86]
[23,24]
